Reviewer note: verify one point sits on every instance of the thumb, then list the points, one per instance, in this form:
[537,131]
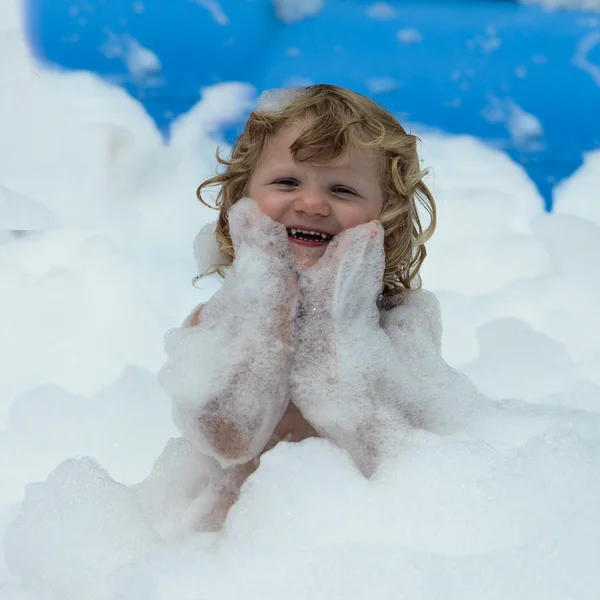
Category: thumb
[352,244]
[363,262]
[241,217]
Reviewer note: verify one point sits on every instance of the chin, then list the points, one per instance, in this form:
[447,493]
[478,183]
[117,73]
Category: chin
[306,263]
[307,259]
[306,256]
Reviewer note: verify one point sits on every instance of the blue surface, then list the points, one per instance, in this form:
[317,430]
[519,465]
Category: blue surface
[475,62]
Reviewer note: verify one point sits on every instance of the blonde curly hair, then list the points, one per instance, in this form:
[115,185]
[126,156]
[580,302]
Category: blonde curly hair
[337,119]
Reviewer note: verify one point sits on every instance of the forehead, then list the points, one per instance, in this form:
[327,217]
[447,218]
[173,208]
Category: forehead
[277,153]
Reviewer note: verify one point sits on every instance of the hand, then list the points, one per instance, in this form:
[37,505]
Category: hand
[338,376]
[256,238]
[343,286]
[251,228]
[262,253]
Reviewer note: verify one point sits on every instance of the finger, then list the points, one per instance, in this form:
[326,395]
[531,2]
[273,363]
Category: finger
[360,270]
[248,224]
[376,230]
[374,253]
[336,248]
[356,239]
[361,251]
[240,217]
[270,232]
[291,280]
[339,246]
[371,243]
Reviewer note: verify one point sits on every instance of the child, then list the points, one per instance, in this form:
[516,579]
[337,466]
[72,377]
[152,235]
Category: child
[319,328]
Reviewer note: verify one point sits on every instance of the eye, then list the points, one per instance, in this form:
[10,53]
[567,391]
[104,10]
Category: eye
[342,189]
[287,182]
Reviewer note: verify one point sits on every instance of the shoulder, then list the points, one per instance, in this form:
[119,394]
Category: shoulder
[415,311]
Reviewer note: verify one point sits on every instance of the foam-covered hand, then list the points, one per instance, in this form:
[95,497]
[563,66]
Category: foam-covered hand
[339,370]
[263,262]
[343,286]
[229,375]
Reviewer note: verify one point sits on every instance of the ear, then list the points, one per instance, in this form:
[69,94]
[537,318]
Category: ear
[206,249]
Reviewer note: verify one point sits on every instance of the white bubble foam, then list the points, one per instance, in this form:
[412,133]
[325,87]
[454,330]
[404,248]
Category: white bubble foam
[275,100]
[506,507]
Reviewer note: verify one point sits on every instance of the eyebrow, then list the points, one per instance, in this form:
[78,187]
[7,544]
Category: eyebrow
[285,166]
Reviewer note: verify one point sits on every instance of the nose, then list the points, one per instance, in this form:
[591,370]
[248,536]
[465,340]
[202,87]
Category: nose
[312,200]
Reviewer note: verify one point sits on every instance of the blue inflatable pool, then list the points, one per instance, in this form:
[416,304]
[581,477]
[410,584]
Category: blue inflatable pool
[519,77]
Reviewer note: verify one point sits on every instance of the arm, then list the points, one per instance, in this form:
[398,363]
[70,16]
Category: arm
[364,386]
[228,365]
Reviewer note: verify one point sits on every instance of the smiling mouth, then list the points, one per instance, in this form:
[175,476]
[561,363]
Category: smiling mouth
[305,237]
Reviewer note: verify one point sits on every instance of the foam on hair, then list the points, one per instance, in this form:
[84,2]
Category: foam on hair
[275,100]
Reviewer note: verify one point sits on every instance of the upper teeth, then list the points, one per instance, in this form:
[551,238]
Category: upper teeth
[295,231]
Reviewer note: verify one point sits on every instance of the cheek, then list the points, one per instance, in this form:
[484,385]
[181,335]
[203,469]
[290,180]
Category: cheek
[352,215]
[267,201]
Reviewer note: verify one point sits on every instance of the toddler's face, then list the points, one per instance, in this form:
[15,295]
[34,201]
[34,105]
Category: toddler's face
[323,199]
